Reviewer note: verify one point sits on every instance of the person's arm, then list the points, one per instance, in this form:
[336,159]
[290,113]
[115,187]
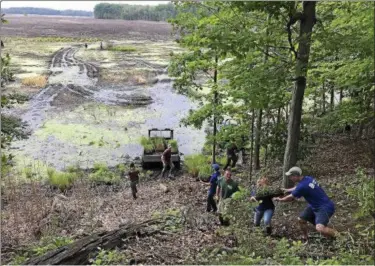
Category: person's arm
[285,199]
[289,189]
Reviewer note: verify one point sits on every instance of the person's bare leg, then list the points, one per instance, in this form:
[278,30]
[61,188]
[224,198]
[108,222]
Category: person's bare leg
[303,227]
[325,230]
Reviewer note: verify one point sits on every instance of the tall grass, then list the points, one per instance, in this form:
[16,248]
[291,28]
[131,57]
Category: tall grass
[36,81]
[122,48]
[195,162]
[60,180]
[199,165]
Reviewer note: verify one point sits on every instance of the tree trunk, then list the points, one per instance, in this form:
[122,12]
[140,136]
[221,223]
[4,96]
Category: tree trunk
[215,115]
[332,98]
[78,253]
[324,98]
[251,143]
[278,119]
[341,95]
[257,140]
[306,25]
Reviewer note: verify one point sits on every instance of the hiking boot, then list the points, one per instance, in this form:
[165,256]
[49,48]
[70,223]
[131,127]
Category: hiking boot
[268,230]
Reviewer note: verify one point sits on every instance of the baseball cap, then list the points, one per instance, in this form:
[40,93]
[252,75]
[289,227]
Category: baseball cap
[294,171]
[215,167]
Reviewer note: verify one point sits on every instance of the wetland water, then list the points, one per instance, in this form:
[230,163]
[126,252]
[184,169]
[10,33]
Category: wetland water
[76,120]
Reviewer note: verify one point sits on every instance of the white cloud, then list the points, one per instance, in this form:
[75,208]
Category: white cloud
[76,5]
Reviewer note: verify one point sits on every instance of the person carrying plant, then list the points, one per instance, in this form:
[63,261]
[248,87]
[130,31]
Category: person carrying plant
[320,208]
[265,208]
[227,188]
[231,154]
[134,179]
[211,204]
[166,159]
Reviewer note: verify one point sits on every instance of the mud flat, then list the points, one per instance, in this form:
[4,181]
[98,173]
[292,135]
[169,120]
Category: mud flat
[97,103]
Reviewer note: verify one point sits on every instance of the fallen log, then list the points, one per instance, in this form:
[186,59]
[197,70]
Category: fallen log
[78,253]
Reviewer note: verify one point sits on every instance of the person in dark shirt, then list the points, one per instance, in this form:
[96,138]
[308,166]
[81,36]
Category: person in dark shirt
[211,204]
[231,154]
[134,179]
[166,159]
[265,209]
[320,208]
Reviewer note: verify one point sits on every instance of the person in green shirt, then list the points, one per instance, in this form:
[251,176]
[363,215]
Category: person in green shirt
[227,187]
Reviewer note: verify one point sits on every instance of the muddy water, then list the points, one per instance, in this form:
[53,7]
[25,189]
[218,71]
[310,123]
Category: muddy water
[105,127]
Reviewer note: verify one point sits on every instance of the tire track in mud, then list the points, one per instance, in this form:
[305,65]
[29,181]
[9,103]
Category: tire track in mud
[62,62]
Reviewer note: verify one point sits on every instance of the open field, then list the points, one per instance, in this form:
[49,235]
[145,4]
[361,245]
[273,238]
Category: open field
[37,26]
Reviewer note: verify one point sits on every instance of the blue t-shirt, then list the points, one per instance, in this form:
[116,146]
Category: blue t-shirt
[313,194]
[213,182]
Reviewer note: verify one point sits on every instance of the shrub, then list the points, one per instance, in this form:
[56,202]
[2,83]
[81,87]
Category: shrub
[195,162]
[36,81]
[103,175]
[60,180]
[364,194]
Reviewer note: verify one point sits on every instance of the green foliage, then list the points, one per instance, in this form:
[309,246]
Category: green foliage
[6,74]
[147,144]
[61,180]
[46,244]
[50,243]
[12,128]
[108,257]
[174,145]
[160,12]
[205,171]
[159,143]
[46,11]
[266,191]
[364,194]
[103,175]
[194,162]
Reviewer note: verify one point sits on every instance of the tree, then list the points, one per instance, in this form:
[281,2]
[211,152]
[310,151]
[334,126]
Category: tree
[307,20]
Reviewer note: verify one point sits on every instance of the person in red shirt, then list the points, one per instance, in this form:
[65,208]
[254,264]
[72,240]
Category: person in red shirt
[166,159]
[134,179]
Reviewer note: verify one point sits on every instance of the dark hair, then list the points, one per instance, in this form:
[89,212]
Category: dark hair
[132,165]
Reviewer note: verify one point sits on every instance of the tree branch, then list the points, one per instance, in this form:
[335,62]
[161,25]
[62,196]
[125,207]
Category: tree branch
[292,20]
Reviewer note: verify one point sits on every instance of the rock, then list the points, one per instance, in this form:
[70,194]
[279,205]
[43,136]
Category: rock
[164,188]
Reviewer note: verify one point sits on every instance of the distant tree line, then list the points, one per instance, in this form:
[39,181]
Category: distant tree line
[135,12]
[46,11]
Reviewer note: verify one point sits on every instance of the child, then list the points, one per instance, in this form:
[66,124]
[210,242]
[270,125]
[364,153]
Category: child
[266,208]
[134,179]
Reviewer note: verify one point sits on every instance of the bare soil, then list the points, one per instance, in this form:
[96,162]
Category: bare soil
[37,26]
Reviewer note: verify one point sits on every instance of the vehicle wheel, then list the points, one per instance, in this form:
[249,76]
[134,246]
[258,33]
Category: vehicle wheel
[178,165]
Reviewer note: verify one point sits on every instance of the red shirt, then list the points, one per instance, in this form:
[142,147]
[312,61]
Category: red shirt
[167,154]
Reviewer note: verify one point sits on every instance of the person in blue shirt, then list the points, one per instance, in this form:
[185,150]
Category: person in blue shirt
[266,207]
[211,204]
[320,208]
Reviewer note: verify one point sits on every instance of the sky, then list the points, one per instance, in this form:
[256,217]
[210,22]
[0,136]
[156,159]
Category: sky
[76,5]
